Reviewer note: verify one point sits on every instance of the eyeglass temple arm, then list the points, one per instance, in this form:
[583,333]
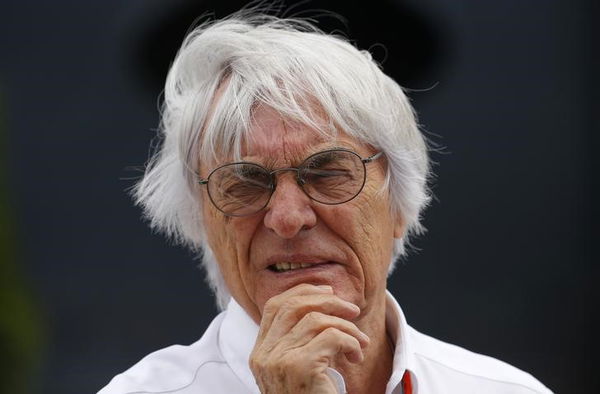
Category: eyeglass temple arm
[371,158]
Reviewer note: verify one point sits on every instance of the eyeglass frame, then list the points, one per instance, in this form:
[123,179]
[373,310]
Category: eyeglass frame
[299,181]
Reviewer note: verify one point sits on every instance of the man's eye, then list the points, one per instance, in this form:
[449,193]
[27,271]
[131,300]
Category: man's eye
[322,160]
[237,189]
[326,173]
[238,195]
[245,186]
[327,177]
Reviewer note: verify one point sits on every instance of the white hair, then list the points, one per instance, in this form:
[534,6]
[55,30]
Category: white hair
[288,65]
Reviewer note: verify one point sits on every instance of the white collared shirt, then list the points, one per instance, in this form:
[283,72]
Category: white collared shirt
[218,363]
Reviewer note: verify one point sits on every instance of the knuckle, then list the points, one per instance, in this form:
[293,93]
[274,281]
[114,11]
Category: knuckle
[313,317]
[349,343]
[256,366]
[262,364]
[331,332]
[287,304]
[253,363]
[271,306]
[290,307]
[352,328]
[280,301]
[256,358]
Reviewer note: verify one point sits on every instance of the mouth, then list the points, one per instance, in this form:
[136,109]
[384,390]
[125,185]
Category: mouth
[286,266]
[284,271]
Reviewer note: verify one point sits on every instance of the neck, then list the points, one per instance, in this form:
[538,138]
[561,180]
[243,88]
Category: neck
[372,375]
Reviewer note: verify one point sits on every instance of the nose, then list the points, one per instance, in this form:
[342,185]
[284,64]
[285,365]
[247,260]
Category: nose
[290,210]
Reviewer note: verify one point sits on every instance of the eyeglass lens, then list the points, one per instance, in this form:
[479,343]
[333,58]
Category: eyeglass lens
[329,177]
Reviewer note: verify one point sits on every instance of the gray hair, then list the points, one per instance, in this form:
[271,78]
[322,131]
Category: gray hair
[288,65]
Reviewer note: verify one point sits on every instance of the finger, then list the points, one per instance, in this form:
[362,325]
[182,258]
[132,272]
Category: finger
[313,323]
[332,342]
[273,305]
[291,310]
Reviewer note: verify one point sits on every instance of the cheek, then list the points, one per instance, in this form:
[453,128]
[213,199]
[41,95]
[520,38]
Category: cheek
[220,240]
[214,225]
[372,235]
[229,239]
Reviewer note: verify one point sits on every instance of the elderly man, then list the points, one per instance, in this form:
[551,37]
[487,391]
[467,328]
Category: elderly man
[296,166]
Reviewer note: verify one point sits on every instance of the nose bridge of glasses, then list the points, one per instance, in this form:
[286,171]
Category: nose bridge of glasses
[286,169]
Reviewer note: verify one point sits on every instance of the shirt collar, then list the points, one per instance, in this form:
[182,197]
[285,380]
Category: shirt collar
[238,333]
[398,330]
[237,337]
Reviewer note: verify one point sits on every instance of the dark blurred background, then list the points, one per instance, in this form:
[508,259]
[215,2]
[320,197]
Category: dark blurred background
[508,89]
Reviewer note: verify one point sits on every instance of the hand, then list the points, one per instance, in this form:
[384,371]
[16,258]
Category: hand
[301,332]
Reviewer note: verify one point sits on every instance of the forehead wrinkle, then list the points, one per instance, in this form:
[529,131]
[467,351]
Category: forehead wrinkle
[275,141]
[300,141]
[280,140]
[258,141]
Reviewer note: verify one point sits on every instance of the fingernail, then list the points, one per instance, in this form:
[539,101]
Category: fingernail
[325,287]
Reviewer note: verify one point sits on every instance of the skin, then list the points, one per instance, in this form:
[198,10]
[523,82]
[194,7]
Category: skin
[332,315]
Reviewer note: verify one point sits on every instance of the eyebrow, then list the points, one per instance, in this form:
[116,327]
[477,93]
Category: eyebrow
[270,161]
[329,147]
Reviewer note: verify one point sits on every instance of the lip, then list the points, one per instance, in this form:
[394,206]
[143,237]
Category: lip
[312,268]
[313,260]
[326,273]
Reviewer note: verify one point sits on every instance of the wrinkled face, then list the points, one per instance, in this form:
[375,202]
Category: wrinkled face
[347,246]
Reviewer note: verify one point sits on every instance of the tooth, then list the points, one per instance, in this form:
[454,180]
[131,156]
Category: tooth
[288,266]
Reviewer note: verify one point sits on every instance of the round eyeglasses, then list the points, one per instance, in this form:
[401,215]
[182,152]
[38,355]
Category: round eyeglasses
[331,177]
